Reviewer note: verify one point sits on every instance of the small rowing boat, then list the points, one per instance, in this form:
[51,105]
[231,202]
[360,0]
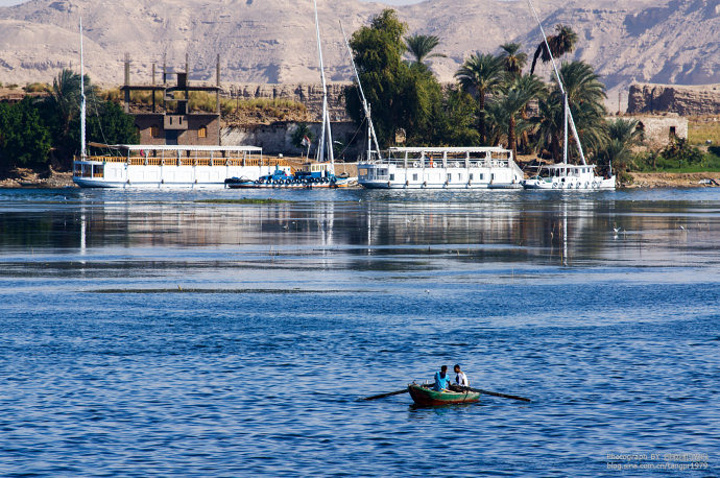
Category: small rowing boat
[428,397]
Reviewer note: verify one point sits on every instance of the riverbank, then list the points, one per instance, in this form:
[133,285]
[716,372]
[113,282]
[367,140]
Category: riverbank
[674,180]
[28,178]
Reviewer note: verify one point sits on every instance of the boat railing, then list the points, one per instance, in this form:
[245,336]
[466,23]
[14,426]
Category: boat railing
[191,161]
[428,163]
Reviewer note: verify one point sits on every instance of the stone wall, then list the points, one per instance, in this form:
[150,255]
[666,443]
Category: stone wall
[145,123]
[276,138]
[658,130]
[683,100]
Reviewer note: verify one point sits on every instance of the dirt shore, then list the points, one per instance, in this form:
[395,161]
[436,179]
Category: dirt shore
[674,180]
[27,178]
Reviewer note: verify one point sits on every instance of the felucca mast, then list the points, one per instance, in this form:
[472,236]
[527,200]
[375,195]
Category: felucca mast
[83,147]
[326,132]
[372,137]
[568,114]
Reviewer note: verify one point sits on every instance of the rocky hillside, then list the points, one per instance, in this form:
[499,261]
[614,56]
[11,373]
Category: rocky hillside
[273,41]
[683,100]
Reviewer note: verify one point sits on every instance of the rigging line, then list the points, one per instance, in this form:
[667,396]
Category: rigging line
[355,135]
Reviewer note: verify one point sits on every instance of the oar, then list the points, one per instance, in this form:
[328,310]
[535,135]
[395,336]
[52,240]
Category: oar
[383,395]
[496,394]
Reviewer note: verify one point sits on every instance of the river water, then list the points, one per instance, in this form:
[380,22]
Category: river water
[151,334]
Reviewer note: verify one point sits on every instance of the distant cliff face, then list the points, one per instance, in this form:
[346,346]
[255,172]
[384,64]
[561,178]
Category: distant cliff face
[273,41]
[310,94]
[683,100]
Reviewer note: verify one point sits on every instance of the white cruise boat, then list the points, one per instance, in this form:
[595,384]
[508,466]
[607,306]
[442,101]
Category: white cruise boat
[442,168]
[162,166]
[569,177]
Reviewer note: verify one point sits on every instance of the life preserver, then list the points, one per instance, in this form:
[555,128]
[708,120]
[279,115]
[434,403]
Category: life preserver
[586,184]
[424,184]
[416,164]
[456,164]
[554,185]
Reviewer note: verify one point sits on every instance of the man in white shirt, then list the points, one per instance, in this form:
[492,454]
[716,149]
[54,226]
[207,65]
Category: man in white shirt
[460,377]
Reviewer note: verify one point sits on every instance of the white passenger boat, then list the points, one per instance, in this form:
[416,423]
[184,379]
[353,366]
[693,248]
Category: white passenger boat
[569,177]
[163,166]
[442,168]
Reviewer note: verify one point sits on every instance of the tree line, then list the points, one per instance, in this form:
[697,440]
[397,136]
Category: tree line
[494,101]
[41,131]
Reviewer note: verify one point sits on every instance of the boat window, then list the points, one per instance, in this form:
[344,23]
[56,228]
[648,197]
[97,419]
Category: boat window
[392,177]
[415,177]
[471,176]
[482,176]
[449,177]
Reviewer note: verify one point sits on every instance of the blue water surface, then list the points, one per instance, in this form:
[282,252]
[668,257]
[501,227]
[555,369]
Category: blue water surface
[151,334]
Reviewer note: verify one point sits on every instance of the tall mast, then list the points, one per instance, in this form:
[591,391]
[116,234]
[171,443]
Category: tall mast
[326,132]
[566,110]
[372,137]
[567,113]
[83,148]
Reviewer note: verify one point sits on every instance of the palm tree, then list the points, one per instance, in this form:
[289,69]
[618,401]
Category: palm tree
[585,96]
[481,74]
[420,47]
[507,110]
[560,43]
[622,136]
[513,59]
[65,96]
[583,85]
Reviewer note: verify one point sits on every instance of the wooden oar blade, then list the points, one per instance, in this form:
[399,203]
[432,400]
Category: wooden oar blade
[383,395]
[496,394]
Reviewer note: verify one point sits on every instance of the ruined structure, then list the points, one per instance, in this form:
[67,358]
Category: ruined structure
[684,100]
[658,131]
[171,122]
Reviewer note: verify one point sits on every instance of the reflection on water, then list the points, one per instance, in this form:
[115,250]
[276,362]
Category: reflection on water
[560,229]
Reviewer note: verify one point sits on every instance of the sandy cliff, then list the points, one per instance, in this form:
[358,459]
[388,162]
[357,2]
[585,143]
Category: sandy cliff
[272,41]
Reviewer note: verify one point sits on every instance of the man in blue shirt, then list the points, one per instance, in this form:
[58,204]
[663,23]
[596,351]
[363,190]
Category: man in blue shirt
[442,379]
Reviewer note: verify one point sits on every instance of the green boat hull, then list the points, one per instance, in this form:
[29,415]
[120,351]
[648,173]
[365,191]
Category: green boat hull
[432,398]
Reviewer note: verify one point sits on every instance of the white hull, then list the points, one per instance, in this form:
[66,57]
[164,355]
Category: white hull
[389,176]
[123,176]
[595,185]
